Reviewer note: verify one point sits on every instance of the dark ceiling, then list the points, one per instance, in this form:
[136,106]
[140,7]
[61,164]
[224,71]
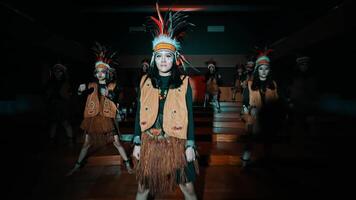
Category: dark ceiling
[84,22]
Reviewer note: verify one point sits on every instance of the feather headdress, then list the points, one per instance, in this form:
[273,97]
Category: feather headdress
[168,33]
[262,57]
[103,56]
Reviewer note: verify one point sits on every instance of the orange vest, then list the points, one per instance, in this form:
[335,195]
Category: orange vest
[212,86]
[175,112]
[255,96]
[104,107]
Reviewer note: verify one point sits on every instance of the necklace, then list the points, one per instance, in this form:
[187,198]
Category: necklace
[162,93]
[262,90]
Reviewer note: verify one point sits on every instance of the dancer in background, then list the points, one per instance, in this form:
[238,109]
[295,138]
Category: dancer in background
[261,90]
[238,79]
[100,110]
[58,95]
[212,79]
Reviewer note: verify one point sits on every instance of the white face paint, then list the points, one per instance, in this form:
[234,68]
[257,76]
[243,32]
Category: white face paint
[211,68]
[263,71]
[164,62]
[100,74]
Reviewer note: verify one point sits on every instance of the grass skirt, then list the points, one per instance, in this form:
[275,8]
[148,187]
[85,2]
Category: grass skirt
[162,164]
[100,128]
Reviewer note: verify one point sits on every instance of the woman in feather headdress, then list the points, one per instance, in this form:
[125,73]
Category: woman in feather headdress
[100,110]
[239,77]
[164,128]
[260,91]
[212,79]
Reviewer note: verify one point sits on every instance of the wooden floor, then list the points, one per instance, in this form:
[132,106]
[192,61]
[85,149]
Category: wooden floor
[221,177]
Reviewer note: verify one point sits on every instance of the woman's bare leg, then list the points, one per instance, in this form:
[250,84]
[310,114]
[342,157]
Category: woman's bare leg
[82,154]
[142,193]
[188,191]
[122,152]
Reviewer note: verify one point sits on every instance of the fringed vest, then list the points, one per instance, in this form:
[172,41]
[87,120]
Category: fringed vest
[104,107]
[175,112]
[255,96]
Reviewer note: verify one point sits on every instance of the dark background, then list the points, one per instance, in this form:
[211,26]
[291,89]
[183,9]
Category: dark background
[37,34]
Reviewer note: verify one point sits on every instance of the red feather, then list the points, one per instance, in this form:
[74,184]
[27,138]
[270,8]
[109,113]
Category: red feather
[160,18]
[268,51]
[264,53]
[158,23]
[260,53]
[183,58]
[178,62]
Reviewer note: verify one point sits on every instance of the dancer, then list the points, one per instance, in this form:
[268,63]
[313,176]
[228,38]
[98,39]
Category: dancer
[100,111]
[164,128]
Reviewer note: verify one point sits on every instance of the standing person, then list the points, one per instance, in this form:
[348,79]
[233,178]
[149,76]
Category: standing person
[248,73]
[100,110]
[58,94]
[248,76]
[261,90]
[238,79]
[164,128]
[212,79]
[145,64]
[302,99]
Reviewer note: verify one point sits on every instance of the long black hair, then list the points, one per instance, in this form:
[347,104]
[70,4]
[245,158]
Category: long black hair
[256,82]
[174,82]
